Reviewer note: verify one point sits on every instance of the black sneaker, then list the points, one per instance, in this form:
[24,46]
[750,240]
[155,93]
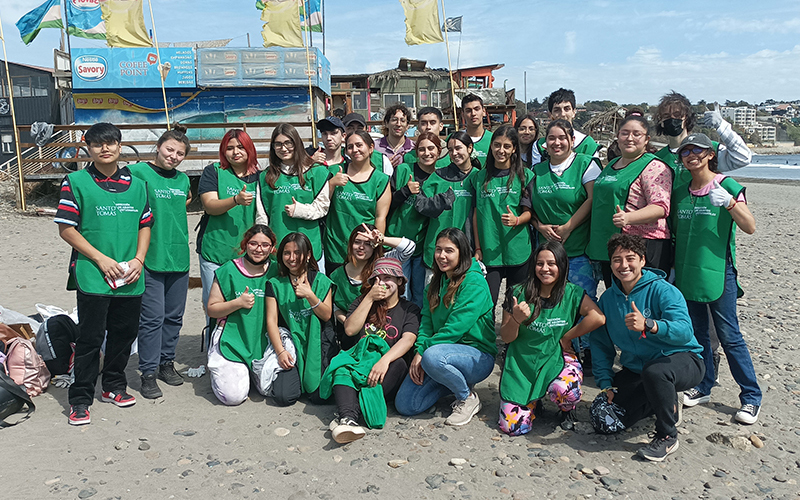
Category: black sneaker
[748,414]
[150,388]
[168,374]
[567,419]
[659,448]
[79,415]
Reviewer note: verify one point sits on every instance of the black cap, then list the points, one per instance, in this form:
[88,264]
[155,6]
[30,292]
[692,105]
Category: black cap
[330,123]
[354,117]
[699,140]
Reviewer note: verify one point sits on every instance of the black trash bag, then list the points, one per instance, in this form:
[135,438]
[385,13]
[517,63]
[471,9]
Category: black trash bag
[12,399]
[606,417]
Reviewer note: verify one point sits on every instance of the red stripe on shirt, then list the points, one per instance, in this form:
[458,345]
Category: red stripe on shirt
[68,208]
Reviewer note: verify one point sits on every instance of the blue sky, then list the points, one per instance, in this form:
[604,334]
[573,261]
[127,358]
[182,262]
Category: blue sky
[621,50]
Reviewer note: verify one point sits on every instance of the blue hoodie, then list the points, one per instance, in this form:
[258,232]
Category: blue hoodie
[655,298]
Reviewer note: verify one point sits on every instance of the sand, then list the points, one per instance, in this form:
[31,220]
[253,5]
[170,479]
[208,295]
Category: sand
[186,445]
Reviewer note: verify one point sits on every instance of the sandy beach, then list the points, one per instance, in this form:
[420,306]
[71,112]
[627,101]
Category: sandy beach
[186,445]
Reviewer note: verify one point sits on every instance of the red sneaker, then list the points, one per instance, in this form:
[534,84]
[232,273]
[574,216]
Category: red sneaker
[121,399]
[79,415]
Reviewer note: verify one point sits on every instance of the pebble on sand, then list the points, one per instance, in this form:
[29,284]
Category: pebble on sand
[457,461]
[398,462]
[281,431]
[757,442]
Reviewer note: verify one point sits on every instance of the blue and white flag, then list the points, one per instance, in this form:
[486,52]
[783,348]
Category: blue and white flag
[85,19]
[47,15]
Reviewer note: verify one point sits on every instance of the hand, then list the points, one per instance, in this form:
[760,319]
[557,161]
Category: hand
[377,373]
[549,232]
[712,119]
[290,209]
[566,345]
[719,196]
[634,320]
[247,299]
[375,235]
[379,291]
[415,370]
[396,159]
[520,311]
[479,255]
[134,271]
[243,197]
[319,156]
[340,179]
[413,186]
[620,218]
[285,360]
[563,232]
[302,288]
[508,218]
[610,395]
[110,268]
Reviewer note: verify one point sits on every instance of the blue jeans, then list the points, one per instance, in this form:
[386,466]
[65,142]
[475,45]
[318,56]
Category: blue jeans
[581,273]
[414,271]
[163,305]
[449,369]
[723,313]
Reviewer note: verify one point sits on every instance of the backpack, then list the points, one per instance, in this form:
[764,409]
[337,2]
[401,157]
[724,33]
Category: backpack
[55,342]
[12,399]
[25,367]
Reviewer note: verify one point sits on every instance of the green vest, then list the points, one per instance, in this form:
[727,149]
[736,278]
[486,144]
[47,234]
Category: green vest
[110,223]
[673,160]
[482,147]
[611,189]
[169,237]
[458,216]
[345,292]
[534,359]
[306,328]
[704,237]
[224,232]
[556,198]
[351,205]
[286,187]
[244,334]
[501,245]
[405,221]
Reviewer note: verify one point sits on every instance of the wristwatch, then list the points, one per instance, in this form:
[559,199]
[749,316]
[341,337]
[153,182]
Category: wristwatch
[649,324]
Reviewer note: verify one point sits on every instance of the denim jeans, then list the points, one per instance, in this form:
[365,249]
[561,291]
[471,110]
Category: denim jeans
[449,369]
[581,273]
[723,313]
[414,270]
[163,305]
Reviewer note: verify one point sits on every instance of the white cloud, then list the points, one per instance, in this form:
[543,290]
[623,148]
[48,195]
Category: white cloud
[571,42]
[734,25]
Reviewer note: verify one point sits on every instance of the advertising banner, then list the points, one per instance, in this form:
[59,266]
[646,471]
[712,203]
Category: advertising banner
[128,68]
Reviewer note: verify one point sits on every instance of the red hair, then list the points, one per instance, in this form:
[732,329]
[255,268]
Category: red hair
[246,142]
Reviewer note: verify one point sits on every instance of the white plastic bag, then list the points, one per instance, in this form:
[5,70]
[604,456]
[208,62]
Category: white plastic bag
[9,317]
[266,369]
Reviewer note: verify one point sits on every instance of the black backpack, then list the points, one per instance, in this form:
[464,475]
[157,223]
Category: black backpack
[12,398]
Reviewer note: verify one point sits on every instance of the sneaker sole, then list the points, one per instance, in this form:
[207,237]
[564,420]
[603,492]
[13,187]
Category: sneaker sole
[694,402]
[747,419]
[80,422]
[117,403]
[345,437]
[474,412]
[670,451]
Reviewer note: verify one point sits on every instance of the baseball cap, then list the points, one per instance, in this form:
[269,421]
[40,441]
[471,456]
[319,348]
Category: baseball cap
[354,117]
[699,140]
[330,123]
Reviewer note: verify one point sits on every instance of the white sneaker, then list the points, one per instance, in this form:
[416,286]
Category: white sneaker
[748,414]
[464,410]
[693,397]
[347,431]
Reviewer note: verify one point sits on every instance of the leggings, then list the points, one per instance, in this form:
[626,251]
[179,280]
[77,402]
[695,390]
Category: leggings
[512,274]
[565,391]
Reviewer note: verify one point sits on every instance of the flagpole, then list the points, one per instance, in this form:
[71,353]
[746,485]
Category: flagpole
[66,27]
[13,120]
[450,69]
[160,66]
[304,4]
[322,8]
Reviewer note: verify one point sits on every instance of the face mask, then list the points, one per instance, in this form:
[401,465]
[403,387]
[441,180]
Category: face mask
[672,126]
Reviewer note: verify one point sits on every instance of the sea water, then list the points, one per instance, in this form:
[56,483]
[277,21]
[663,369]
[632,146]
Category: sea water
[771,167]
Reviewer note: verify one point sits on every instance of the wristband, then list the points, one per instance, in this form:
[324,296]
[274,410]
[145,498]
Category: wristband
[317,305]
[234,201]
[734,204]
[140,260]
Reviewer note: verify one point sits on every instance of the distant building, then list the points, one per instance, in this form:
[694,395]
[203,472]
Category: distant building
[742,116]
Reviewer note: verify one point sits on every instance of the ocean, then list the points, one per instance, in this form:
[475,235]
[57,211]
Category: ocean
[771,167]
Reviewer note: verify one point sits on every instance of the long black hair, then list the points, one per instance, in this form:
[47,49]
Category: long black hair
[529,148]
[466,140]
[533,287]
[305,248]
[459,239]
[515,165]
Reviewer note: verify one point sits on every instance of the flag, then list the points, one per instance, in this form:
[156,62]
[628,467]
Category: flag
[281,23]
[85,19]
[47,15]
[422,21]
[125,23]
[452,24]
[312,22]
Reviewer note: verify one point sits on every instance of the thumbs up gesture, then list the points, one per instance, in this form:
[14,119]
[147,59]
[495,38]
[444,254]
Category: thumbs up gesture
[247,299]
[243,197]
[634,320]
[719,196]
[508,218]
[319,155]
[712,119]
[340,179]
[413,186]
[291,207]
[520,310]
[620,218]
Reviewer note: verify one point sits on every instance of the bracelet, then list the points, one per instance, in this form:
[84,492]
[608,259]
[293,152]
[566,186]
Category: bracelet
[515,319]
[234,201]
[317,305]
[283,351]
[140,260]
[734,204]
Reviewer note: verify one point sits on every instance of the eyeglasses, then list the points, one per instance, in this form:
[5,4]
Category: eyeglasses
[635,134]
[255,244]
[288,145]
[695,150]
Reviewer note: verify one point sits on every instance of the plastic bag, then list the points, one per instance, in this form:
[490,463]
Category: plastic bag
[9,317]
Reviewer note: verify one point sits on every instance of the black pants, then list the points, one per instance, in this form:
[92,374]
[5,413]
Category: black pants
[654,391]
[659,254]
[347,397]
[98,314]
[287,389]
[512,274]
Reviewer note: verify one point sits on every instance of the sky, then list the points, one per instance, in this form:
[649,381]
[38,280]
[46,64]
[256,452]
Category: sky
[620,50]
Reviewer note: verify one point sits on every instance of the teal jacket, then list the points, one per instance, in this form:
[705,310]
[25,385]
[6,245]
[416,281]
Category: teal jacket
[656,299]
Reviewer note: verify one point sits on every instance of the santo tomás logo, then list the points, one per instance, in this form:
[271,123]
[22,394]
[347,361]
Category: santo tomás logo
[91,68]
[86,5]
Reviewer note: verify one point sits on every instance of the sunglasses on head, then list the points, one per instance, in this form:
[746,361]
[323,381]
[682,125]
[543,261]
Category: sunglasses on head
[696,150]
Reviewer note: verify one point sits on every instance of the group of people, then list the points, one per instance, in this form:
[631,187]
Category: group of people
[370,272]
